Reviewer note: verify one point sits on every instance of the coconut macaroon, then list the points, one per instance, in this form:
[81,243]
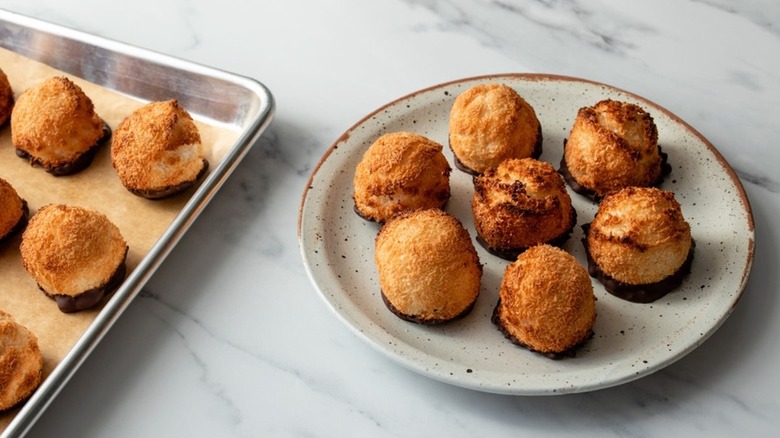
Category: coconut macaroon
[546,302]
[612,145]
[13,210]
[21,362]
[75,255]
[54,125]
[639,244]
[490,123]
[521,203]
[157,150]
[6,98]
[429,271]
[399,172]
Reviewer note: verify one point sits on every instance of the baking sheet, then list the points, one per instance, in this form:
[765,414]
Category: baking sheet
[151,228]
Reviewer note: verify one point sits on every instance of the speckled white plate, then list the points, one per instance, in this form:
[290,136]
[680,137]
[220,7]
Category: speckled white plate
[631,340]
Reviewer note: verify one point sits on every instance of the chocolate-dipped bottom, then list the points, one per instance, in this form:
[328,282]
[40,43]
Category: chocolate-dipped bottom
[511,254]
[91,297]
[381,222]
[569,352]
[425,321]
[166,192]
[638,293]
[78,164]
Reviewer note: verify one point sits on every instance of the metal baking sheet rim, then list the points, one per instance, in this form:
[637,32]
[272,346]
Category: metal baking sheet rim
[252,125]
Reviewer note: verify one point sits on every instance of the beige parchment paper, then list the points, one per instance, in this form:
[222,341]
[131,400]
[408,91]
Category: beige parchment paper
[141,221]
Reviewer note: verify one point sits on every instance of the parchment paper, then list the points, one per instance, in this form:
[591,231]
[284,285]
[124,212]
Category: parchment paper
[140,221]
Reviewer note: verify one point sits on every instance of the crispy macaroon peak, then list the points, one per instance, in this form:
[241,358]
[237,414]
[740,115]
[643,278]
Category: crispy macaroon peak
[490,123]
[54,123]
[157,150]
[528,184]
[626,121]
[6,98]
[613,145]
[399,172]
[21,362]
[641,217]
[546,302]
[69,250]
[13,209]
[429,271]
[639,235]
[521,203]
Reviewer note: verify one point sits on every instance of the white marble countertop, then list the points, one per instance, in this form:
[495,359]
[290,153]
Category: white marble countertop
[229,338]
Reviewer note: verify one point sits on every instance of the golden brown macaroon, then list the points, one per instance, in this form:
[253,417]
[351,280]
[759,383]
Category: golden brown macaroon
[54,125]
[639,244]
[400,171]
[429,271]
[13,210]
[546,302]
[76,255]
[6,98]
[21,363]
[490,123]
[612,145]
[157,150]
[521,203]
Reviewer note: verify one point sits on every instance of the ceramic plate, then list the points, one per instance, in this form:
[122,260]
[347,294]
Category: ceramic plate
[631,340]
